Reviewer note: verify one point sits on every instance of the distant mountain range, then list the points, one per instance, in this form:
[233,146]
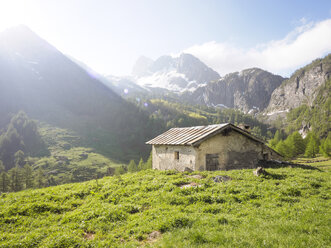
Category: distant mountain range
[252,90]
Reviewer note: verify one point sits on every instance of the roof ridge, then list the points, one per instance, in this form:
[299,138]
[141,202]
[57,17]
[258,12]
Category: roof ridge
[202,126]
[186,135]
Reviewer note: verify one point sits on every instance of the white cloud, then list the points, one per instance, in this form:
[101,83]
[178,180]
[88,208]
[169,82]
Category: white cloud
[304,44]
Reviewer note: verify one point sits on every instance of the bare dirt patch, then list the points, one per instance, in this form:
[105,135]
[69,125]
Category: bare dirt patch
[89,235]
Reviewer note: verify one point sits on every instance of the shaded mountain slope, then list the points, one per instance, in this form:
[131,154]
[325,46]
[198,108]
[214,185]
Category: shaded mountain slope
[37,78]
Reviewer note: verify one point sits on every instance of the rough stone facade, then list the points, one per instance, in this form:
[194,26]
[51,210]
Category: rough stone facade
[225,151]
[164,157]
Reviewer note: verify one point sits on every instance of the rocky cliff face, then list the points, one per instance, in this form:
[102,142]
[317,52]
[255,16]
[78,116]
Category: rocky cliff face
[249,90]
[301,88]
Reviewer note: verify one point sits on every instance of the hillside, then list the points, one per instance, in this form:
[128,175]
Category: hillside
[288,207]
[49,87]
[175,114]
[315,117]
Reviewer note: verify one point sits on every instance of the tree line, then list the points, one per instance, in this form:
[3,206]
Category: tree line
[25,176]
[22,135]
[22,176]
[134,167]
[294,145]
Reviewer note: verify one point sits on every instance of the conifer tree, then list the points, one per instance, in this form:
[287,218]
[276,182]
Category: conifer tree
[40,178]
[28,176]
[19,158]
[132,167]
[2,167]
[283,149]
[120,170]
[273,142]
[299,144]
[325,147]
[4,182]
[295,144]
[148,164]
[141,165]
[312,146]
[16,180]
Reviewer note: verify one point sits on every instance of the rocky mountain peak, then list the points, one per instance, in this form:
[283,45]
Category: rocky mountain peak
[178,74]
[141,66]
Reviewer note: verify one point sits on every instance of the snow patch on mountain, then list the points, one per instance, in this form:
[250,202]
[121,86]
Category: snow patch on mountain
[174,73]
[170,80]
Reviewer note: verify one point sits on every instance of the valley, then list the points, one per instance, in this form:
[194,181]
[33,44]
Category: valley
[75,169]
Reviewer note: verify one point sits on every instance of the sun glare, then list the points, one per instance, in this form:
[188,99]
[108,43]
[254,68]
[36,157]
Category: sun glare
[11,13]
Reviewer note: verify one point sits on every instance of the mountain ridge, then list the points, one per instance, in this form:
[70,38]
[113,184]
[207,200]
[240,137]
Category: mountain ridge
[248,90]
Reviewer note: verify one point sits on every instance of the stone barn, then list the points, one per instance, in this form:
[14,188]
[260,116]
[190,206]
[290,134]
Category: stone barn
[213,147]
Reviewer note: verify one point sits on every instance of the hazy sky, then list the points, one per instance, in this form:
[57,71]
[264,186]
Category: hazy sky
[231,35]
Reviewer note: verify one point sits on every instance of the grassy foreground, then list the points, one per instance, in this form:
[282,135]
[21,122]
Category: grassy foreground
[290,207]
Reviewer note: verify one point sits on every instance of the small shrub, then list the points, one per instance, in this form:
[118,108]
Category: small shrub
[198,238]
[292,192]
[212,209]
[315,185]
[175,222]
[222,220]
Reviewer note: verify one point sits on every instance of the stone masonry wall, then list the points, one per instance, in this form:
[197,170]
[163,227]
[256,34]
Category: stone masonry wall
[164,157]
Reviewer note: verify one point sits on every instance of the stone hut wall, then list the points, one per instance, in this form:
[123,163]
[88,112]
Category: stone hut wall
[230,150]
[164,157]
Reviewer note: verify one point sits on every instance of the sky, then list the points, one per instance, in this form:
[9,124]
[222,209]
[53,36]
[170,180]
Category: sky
[228,35]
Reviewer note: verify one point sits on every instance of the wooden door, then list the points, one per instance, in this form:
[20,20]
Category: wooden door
[212,162]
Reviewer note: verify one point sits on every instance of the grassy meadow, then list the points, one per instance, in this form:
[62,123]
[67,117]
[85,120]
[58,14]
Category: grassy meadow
[289,207]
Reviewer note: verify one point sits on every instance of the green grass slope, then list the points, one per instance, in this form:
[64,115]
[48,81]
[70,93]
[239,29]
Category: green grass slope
[290,207]
[69,161]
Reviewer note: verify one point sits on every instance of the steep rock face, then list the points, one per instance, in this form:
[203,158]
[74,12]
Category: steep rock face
[249,90]
[176,74]
[301,87]
[195,70]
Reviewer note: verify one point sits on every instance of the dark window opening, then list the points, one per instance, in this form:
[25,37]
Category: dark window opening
[265,156]
[176,155]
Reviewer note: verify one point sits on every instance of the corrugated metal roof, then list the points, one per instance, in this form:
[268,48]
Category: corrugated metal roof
[185,135]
